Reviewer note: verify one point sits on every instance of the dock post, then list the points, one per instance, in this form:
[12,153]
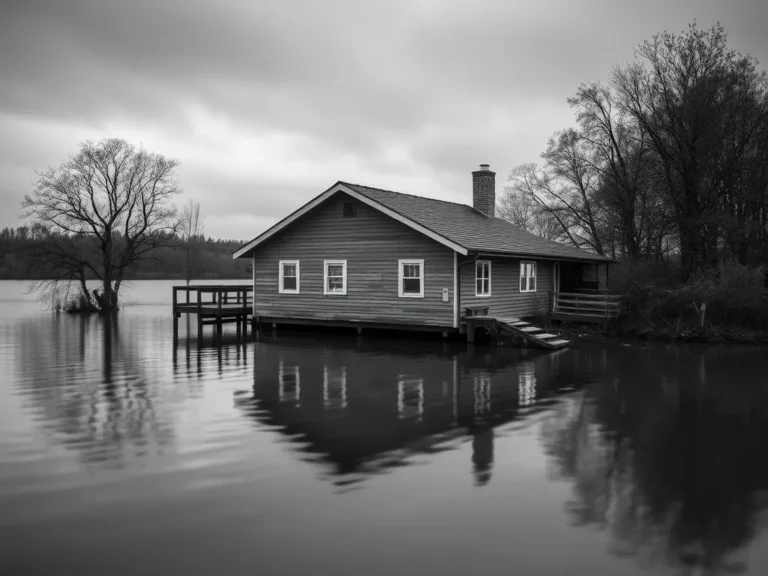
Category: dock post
[198,295]
[470,332]
[244,317]
[175,318]
[218,315]
[359,330]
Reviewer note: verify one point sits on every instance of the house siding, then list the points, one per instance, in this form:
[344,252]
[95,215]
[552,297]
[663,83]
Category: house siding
[372,244]
[506,298]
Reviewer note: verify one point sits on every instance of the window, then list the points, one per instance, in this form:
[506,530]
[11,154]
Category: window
[411,278]
[289,277]
[349,210]
[335,277]
[527,276]
[482,278]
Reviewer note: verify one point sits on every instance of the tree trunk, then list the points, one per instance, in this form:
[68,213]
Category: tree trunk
[108,299]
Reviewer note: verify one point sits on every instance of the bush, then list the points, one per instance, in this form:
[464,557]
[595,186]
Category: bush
[77,304]
[733,295]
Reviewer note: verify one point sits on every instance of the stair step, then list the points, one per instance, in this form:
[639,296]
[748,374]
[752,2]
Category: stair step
[545,336]
[519,324]
[558,342]
[530,329]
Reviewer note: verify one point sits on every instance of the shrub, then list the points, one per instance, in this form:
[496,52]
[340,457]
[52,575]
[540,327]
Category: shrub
[734,295]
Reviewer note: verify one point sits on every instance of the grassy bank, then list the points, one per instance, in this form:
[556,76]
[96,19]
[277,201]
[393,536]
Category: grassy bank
[725,304]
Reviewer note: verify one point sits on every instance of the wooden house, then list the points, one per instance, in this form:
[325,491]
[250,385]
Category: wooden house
[361,256]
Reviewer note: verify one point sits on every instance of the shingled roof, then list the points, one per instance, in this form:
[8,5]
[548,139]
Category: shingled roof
[459,226]
[471,228]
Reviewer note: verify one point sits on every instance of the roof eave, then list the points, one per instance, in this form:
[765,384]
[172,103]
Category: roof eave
[510,254]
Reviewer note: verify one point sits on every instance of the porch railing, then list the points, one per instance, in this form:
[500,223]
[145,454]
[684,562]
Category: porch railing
[601,305]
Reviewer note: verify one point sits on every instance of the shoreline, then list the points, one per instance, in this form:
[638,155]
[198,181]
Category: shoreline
[709,334]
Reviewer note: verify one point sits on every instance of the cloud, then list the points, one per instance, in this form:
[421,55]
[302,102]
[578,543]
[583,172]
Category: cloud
[268,103]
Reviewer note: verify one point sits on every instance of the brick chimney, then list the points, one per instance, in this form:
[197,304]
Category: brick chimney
[484,190]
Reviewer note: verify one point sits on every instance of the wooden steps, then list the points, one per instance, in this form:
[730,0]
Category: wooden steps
[532,334]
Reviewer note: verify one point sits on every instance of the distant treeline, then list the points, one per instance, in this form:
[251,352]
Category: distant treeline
[214,260]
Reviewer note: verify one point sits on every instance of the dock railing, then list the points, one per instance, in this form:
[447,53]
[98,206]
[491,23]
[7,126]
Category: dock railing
[213,304]
[603,305]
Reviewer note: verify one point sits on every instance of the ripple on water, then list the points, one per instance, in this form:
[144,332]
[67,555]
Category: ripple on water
[301,452]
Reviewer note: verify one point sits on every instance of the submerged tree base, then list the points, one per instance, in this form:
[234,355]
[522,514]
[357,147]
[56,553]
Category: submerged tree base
[72,297]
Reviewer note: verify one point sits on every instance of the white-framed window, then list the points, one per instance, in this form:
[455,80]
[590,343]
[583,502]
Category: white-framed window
[527,276]
[483,278]
[411,278]
[289,277]
[335,277]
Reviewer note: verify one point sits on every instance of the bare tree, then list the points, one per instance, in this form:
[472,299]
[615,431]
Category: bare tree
[564,189]
[518,207]
[191,228]
[689,94]
[616,149]
[113,202]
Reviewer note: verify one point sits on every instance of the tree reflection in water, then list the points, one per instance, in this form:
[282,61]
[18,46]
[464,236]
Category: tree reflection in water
[668,454]
[92,388]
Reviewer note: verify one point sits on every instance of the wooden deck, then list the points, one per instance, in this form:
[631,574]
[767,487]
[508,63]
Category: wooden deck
[591,307]
[214,305]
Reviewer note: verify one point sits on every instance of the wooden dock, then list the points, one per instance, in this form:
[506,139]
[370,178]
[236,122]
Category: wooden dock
[213,305]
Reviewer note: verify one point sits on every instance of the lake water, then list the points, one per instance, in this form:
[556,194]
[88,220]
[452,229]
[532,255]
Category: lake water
[122,453]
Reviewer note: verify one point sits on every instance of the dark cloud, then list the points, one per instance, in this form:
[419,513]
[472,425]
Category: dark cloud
[267,103]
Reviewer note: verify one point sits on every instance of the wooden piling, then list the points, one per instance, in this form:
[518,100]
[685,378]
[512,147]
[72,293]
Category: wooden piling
[227,304]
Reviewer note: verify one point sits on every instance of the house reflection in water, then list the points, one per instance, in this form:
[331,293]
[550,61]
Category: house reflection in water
[360,407]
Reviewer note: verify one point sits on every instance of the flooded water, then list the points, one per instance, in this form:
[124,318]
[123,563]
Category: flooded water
[122,453]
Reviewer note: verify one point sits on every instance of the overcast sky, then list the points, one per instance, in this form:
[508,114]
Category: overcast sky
[267,103]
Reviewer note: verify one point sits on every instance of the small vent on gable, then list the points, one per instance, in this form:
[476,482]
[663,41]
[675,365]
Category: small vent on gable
[349,210]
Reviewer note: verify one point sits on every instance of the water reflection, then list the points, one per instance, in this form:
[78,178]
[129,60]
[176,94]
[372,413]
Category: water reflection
[361,407]
[86,383]
[661,451]
[669,455]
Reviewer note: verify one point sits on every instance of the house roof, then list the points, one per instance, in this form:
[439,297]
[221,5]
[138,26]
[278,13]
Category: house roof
[458,226]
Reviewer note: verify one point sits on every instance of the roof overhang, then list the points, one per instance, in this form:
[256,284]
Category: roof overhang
[596,260]
[248,248]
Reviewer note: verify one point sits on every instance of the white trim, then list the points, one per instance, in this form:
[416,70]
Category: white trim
[362,198]
[400,277]
[483,262]
[281,276]
[343,264]
[535,276]
[455,290]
